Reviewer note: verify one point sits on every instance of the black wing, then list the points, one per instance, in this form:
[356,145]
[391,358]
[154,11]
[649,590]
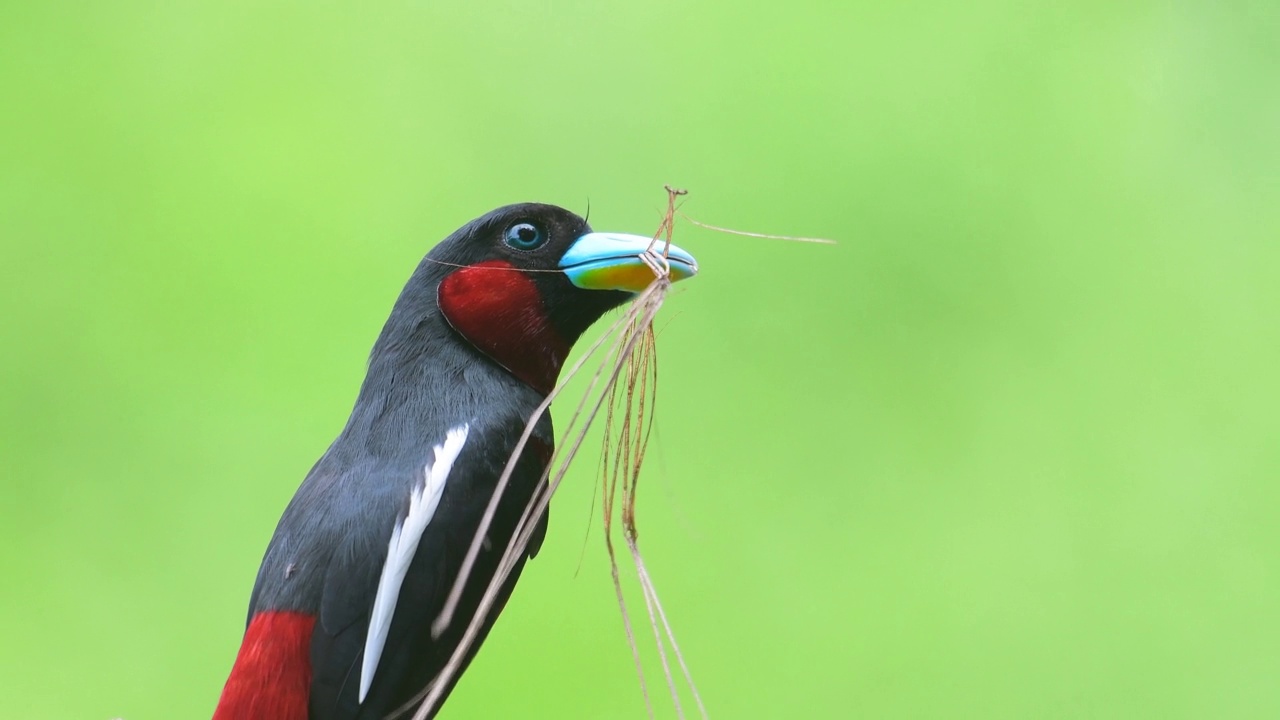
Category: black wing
[411,658]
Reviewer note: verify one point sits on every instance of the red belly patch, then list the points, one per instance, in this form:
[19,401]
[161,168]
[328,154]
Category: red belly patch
[272,675]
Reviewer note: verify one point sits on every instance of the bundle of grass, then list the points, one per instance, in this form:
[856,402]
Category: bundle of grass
[624,388]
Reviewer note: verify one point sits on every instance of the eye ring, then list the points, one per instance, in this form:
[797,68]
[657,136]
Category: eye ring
[525,236]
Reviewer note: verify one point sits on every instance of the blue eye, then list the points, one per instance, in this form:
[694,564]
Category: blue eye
[525,236]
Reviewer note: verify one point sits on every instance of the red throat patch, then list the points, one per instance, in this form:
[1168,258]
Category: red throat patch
[271,679]
[501,312]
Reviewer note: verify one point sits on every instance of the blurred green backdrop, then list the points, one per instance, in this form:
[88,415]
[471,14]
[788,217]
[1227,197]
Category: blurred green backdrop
[1008,451]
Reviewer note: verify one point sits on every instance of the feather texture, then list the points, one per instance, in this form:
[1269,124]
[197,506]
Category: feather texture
[272,672]
[423,500]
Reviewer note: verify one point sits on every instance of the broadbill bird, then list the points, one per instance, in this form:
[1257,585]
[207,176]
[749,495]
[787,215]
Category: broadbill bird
[340,617]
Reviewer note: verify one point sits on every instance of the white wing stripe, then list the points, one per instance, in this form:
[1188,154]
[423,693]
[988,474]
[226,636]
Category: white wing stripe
[423,500]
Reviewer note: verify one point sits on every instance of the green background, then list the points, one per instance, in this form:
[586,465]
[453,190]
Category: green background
[1009,450]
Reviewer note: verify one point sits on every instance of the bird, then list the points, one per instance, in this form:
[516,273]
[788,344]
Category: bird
[340,616]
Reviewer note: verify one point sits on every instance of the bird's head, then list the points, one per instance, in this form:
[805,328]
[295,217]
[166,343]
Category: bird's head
[522,283]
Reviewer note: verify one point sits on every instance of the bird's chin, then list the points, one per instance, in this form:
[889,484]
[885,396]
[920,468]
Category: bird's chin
[573,318]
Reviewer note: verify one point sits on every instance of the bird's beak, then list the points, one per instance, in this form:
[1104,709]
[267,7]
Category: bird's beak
[614,261]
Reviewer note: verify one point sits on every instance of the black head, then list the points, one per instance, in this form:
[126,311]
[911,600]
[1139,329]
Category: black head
[523,282]
[511,267]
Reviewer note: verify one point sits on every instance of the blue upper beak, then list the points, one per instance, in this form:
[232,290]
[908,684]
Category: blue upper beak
[611,261]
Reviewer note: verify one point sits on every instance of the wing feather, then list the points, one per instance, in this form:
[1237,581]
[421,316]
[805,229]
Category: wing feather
[424,498]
